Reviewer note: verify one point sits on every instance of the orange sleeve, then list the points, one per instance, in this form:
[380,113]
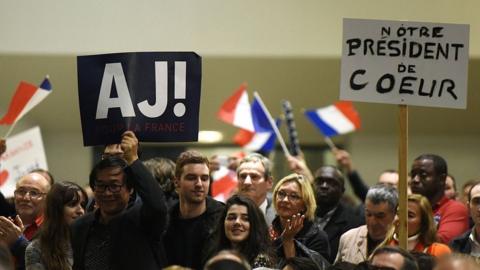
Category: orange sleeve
[438,249]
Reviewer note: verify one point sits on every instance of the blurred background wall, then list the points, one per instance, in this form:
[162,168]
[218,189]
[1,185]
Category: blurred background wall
[283,49]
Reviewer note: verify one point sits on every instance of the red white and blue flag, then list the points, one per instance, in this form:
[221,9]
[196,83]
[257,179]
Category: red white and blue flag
[255,134]
[263,138]
[224,183]
[236,110]
[25,98]
[336,119]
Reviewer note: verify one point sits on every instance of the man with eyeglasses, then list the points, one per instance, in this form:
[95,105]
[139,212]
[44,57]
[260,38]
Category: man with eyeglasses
[392,258]
[255,181]
[119,235]
[29,197]
[469,242]
[332,216]
[428,176]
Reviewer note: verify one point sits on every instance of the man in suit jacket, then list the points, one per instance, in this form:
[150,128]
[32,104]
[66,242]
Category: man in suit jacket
[380,208]
[119,235]
[333,217]
[469,242]
[255,180]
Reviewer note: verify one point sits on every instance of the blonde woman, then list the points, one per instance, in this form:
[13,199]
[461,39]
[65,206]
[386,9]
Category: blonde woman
[422,232]
[293,230]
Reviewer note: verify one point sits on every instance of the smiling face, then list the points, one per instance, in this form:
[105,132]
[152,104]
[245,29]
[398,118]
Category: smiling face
[111,202]
[289,200]
[74,209]
[30,197]
[193,183]
[378,218]
[237,224]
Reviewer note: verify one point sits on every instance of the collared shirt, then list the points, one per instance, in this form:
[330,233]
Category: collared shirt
[322,221]
[451,218]
[263,206]
[475,244]
[31,229]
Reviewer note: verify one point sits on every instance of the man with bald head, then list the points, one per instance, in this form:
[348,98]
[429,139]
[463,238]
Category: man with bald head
[333,217]
[29,197]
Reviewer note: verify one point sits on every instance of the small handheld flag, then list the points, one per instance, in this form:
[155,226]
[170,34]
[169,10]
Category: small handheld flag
[236,110]
[263,138]
[336,119]
[25,98]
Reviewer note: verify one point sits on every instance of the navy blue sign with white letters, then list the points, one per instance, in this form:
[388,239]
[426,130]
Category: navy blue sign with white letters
[154,94]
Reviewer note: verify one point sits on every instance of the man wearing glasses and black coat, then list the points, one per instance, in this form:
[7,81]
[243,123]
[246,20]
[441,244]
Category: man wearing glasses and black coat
[118,235]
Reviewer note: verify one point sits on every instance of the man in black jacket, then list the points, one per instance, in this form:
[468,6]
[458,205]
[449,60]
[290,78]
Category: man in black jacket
[117,235]
[194,218]
[469,242]
[333,217]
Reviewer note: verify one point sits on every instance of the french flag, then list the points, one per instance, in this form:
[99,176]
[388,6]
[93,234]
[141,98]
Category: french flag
[336,119]
[236,110]
[263,138]
[224,184]
[25,98]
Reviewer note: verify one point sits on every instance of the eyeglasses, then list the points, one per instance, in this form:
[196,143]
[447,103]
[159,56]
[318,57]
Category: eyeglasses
[34,194]
[114,188]
[291,197]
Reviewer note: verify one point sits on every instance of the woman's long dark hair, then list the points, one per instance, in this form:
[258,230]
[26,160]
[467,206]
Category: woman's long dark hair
[257,242]
[55,232]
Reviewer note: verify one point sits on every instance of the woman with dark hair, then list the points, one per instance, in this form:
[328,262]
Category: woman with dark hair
[51,248]
[243,228]
[294,231]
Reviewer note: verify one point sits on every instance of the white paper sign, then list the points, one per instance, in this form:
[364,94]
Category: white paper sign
[24,153]
[401,62]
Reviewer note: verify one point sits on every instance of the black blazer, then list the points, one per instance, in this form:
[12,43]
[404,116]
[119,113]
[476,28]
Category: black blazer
[343,219]
[462,243]
[136,232]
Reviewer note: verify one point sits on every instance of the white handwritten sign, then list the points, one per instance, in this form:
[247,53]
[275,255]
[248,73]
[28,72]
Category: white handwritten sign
[24,153]
[400,62]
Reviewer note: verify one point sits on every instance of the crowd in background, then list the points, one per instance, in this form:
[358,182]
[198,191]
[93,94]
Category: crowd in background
[158,214]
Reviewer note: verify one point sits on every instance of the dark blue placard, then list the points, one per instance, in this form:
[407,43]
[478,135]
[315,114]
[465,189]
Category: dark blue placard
[104,119]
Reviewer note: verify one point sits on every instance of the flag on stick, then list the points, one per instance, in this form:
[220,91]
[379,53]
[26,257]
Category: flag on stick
[263,138]
[272,123]
[25,98]
[336,119]
[262,142]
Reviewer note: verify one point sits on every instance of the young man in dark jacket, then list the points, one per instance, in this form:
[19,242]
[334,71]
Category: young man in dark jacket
[194,218]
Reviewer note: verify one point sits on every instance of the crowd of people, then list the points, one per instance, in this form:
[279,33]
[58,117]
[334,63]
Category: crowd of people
[157,214]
